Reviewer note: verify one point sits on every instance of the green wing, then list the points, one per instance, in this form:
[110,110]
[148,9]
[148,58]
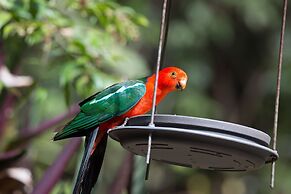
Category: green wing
[103,106]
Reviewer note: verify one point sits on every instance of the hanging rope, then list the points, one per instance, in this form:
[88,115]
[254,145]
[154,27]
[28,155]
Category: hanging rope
[279,72]
[161,53]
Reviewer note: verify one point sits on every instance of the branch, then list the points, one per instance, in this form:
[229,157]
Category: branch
[56,170]
[11,81]
[9,157]
[4,113]
[123,177]
[51,123]
[41,128]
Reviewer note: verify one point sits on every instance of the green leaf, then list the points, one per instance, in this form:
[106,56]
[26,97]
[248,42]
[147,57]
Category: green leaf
[40,94]
[6,4]
[141,20]
[82,84]
[4,18]
[9,30]
[35,37]
[69,73]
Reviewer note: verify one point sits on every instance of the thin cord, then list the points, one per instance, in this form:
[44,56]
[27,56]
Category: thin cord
[279,72]
[148,160]
[162,45]
[161,53]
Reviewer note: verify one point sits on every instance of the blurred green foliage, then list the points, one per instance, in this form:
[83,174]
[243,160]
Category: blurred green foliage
[72,49]
[84,42]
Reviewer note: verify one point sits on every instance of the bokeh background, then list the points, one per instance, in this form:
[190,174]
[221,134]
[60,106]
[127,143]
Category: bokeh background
[55,53]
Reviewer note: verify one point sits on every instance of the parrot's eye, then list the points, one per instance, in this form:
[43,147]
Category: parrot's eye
[173,75]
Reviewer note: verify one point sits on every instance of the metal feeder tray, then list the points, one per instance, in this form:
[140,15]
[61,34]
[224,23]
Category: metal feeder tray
[197,142]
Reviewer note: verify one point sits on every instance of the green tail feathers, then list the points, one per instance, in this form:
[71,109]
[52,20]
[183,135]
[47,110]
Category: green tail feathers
[79,126]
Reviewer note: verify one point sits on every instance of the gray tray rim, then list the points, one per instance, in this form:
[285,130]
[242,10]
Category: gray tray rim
[208,125]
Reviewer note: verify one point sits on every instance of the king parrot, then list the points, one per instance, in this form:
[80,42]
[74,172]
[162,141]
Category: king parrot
[109,108]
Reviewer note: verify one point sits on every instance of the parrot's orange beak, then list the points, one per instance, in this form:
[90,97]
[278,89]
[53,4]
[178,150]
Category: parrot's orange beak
[181,85]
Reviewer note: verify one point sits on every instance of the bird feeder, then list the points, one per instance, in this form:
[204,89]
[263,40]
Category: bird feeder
[199,142]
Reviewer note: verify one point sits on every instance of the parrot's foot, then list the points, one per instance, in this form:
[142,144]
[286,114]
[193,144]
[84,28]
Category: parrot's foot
[125,121]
